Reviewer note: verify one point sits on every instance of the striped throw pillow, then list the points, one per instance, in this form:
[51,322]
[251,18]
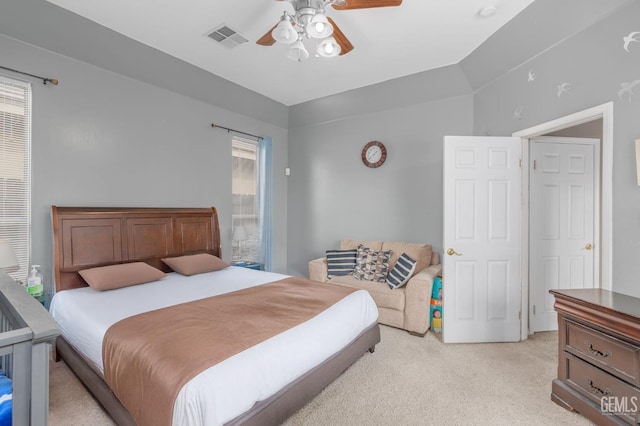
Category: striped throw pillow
[340,262]
[401,272]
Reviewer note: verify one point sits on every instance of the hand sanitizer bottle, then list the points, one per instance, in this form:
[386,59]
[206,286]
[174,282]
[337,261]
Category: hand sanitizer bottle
[35,283]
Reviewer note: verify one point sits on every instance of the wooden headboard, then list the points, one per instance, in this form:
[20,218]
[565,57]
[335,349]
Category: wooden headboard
[86,237]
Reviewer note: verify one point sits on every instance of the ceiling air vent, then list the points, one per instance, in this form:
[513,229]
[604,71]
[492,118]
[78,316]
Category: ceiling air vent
[227,36]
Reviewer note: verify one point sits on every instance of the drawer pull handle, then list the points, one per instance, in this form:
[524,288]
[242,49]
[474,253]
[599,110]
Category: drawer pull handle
[596,352]
[597,390]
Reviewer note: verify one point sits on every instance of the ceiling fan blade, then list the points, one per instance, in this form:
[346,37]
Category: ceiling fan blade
[267,39]
[341,39]
[366,4]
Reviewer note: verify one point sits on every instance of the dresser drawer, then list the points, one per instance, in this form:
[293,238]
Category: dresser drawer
[596,384]
[607,352]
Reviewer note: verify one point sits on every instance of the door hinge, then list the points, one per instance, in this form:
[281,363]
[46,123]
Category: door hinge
[519,315]
[521,163]
[534,309]
[535,164]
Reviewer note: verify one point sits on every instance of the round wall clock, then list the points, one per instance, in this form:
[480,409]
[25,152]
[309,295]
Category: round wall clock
[373,154]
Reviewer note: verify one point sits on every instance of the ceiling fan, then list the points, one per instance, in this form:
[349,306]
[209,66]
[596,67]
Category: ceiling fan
[309,21]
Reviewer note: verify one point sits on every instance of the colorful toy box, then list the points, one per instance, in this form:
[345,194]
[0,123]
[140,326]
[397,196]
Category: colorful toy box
[435,312]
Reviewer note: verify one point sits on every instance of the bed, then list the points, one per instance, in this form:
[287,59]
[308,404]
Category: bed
[299,361]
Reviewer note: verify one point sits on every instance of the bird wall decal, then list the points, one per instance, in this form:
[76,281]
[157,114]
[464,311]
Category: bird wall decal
[627,89]
[517,114]
[630,38]
[563,88]
[531,76]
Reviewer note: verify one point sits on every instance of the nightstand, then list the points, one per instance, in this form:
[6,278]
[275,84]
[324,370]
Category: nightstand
[251,265]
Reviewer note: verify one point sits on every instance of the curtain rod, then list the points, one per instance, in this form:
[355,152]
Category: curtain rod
[236,131]
[44,79]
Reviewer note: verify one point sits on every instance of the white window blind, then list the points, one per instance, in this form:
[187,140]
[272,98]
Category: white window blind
[15,170]
[245,223]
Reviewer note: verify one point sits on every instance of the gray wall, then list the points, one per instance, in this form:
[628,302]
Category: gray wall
[333,196]
[595,64]
[591,129]
[103,139]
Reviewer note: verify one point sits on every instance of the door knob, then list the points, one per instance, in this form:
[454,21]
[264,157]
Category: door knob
[588,246]
[451,252]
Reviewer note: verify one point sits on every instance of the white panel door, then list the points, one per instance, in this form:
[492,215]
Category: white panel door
[562,223]
[481,263]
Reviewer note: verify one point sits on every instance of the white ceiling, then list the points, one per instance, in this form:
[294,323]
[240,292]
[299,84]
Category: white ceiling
[388,42]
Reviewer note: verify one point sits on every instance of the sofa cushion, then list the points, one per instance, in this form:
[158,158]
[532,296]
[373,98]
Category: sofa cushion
[420,252]
[353,244]
[371,265]
[380,292]
[340,262]
[401,272]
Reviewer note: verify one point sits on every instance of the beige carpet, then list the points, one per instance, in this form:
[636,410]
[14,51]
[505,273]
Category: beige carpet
[407,381]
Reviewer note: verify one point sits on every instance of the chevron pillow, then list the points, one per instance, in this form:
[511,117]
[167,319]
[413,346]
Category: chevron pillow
[372,265]
[401,272]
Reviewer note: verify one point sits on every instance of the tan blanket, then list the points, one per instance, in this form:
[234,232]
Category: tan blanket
[149,357]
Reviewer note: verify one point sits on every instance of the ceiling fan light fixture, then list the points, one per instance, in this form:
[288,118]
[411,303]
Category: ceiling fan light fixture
[329,48]
[284,31]
[310,21]
[319,26]
[297,52]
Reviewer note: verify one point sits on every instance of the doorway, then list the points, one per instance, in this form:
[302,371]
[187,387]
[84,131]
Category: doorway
[571,125]
[564,226]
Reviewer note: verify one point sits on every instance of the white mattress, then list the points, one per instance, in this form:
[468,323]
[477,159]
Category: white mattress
[233,386]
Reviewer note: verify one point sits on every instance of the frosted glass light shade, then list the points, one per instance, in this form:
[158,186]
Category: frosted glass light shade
[284,32]
[298,52]
[329,48]
[319,27]
[8,257]
[239,233]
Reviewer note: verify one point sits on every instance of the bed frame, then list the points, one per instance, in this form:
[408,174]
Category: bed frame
[89,237]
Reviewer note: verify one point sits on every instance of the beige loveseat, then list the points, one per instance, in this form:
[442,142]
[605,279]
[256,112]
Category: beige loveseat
[406,307]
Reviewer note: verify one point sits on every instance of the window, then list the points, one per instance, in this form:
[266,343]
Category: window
[15,170]
[245,223]
[251,191]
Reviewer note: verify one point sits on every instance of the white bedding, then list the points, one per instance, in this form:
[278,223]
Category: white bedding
[233,386]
